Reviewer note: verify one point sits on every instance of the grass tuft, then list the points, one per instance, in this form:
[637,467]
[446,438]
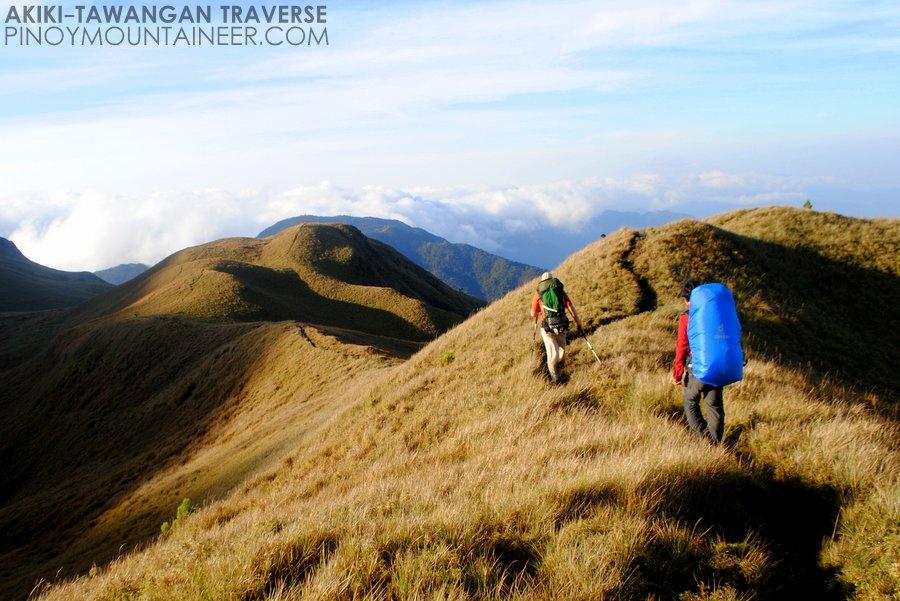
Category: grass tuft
[288,561]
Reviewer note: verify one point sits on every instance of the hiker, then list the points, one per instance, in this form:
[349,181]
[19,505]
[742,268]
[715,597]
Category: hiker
[719,360]
[549,305]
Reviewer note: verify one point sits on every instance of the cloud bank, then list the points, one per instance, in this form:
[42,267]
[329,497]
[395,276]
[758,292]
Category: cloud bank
[95,230]
[119,155]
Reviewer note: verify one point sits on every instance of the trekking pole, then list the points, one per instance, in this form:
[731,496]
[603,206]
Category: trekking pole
[533,339]
[590,346]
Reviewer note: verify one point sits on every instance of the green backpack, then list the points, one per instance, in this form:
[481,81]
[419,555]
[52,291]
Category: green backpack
[552,295]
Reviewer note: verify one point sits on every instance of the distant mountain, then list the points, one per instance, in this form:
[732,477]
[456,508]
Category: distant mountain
[28,286]
[472,270]
[547,246]
[121,273]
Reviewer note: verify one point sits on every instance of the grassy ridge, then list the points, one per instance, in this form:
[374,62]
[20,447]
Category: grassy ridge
[330,275]
[187,380]
[464,267]
[474,478]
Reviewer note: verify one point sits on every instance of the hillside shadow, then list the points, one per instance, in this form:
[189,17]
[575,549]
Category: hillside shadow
[77,441]
[738,513]
[283,295]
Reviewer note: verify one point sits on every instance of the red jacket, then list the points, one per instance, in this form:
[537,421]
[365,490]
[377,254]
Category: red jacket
[682,349]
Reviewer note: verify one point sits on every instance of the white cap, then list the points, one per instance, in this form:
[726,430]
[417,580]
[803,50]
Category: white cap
[547,275]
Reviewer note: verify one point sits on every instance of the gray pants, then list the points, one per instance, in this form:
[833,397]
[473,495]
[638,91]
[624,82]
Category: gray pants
[713,427]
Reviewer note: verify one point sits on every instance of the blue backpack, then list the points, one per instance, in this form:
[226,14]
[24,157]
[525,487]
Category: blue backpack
[714,335]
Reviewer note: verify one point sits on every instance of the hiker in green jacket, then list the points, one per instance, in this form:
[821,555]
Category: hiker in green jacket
[549,305]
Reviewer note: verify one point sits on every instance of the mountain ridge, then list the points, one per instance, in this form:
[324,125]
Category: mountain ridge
[315,273]
[29,286]
[462,266]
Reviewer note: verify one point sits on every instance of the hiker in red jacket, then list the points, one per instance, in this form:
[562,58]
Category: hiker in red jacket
[713,427]
[549,305]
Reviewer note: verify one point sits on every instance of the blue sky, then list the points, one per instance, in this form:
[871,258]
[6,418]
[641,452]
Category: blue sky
[449,114]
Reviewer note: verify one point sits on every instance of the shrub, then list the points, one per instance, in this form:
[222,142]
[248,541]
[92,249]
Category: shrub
[185,509]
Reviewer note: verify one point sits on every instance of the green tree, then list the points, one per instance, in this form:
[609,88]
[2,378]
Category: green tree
[807,204]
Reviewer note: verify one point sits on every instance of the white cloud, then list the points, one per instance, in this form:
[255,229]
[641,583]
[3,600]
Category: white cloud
[95,230]
[405,100]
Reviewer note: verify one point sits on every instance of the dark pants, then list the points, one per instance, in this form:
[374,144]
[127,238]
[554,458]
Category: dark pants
[714,425]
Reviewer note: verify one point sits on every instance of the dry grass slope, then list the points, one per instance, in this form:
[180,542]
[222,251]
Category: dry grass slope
[174,385]
[474,478]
